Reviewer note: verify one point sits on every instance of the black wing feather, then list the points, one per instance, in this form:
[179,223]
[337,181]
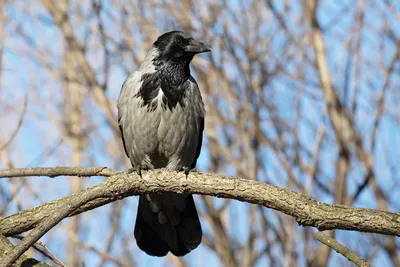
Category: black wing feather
[122,136]
[201,129]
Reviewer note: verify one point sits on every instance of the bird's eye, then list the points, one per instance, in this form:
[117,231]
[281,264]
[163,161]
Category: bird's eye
[179,40]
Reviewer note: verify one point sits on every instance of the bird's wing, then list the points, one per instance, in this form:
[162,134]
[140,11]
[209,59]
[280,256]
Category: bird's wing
[200,119]
[122,135]
[201,129]
[128,90]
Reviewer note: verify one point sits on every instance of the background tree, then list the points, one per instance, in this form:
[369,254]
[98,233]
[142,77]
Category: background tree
[299,94]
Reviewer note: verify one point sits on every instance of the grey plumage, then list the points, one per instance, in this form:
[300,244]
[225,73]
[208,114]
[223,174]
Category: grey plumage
[161,117]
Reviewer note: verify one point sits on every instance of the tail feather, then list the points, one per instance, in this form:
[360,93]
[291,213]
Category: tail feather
[146,237]
[158,239]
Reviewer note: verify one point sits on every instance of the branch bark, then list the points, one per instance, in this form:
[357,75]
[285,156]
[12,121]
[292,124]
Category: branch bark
[339,248]
[305,210]
[57,171]
[6,245]
[67,207]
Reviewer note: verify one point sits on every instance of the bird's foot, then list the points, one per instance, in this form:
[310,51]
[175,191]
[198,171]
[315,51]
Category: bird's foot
[138,169]
[184,169]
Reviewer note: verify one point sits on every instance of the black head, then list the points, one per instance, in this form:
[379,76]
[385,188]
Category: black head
[177,45]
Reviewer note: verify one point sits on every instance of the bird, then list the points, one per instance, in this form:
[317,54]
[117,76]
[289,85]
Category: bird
[161,117]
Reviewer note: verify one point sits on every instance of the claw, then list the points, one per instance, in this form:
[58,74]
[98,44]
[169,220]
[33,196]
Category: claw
[138,169]
[184,169]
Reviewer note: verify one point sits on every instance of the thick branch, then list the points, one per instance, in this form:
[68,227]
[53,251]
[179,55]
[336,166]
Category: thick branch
[306,211]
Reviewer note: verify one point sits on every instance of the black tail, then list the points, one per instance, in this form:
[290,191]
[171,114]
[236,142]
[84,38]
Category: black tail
[177,230]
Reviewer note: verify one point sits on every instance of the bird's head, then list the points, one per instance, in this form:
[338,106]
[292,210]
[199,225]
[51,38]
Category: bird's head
[179,46]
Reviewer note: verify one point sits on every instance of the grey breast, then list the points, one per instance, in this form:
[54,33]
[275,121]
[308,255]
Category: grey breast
[162,138]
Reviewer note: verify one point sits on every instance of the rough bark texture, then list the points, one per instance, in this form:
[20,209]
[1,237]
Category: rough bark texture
[306,211]
[6,245]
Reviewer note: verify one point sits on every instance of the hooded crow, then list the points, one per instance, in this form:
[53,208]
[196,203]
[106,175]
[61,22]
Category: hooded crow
[161,118]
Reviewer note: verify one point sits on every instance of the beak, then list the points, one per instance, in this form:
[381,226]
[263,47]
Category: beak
[197,47]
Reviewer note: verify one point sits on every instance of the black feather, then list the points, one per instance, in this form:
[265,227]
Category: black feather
[157,239]
[122,136]
[149,90]
[188,230]
[146,237]
[201,129]
[171,46]
[173,83]
[172,72]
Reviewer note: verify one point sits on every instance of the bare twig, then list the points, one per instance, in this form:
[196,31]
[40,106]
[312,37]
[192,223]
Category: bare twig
[339,248]
[57,171]
[21,119]
[377,121]
[105,256]
[47,253]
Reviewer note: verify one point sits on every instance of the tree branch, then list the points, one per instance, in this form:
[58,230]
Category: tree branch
[43,249]
[306,211]
[6,245]
[67,207]
[339,248]
[57,171]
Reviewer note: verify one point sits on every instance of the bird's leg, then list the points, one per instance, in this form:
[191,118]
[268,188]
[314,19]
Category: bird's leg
[184,169]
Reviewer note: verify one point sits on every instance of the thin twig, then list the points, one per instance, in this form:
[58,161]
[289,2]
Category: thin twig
[21,119]
[48,254]
[57,171]
[339,248]
[377,120]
